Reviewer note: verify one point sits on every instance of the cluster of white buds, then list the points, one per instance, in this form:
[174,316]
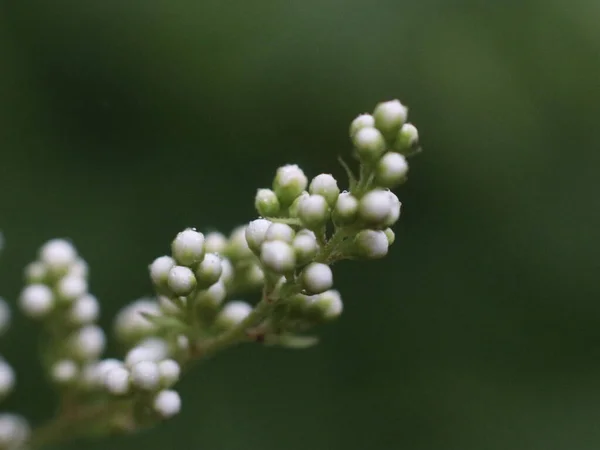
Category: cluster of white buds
[56,294]
[303,227]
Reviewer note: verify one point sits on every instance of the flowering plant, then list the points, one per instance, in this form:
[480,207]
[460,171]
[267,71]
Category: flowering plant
[286,253]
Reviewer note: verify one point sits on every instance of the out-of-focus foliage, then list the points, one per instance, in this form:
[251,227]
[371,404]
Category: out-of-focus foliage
[122,123]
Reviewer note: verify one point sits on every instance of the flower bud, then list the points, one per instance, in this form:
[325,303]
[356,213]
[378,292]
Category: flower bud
[188,247]
[117,380]
[152,349]
[232,314]
[326,186]
[36,272]
[306,246]
[70,288]
[389,117]
[215,242]
[131,325]
[280,232]
[328,305]
[266,203]
[372,244]
[391,236]
[362,121]
[167,403]
[145,375]
[159,270]
[391,170]
[256,232]
[84,310]
[64,372]
[369,144]
[407,140]
[169,371]
[314,212]
[289,183]
[58,255]
[395,207]
[346,209]
[238,247]
[209,270]
[317,278]
[213,296]
[293,209]
[36,301]
[376,207]
[170,305]
[14,431]
[181,280]
[278,256]
[79,269]
[87,343]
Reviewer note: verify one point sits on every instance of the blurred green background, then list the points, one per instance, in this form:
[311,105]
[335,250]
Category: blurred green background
[125,122]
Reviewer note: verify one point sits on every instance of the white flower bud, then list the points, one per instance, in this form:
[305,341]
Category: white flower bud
[278,256]
[346,209]
[36,301]
[306,246]
[391,236]
[7,378]
[313,211]
[256,232]
[145,375]
[233,313]
[227,271]
[87,343]
[70,288]
[152,349]
[391,170]
[167,403]
[280,232]
[389,117]
[266,203]
[117,380]
[14,431]
[407,140]
[209,270]
[160,268]
[130,324]
[395,207]
[188,247]
[5,315]
[181,280]
[317,278]
[36,272]
[372,244]
[289,183]
[84,310]
[58,255]
[238,247]
[169,371]
[362,121]
[79,269]
[215,242]
[213,296]
[375,207]
[64,371]
[369,144]
[93,373]
[326,186]
[329,304]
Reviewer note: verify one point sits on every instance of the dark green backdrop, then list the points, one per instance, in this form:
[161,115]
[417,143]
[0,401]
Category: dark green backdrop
[122,122]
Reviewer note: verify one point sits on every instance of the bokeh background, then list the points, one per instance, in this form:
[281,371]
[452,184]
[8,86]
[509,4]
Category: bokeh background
[125,122]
